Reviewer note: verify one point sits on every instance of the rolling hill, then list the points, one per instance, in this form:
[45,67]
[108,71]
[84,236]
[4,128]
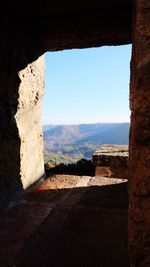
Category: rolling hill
[83,139]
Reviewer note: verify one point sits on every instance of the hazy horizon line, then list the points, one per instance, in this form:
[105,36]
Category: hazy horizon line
[84,123]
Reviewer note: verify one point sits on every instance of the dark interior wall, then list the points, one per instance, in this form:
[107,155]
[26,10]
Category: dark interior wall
[9,137]
[21,90]
[139,219]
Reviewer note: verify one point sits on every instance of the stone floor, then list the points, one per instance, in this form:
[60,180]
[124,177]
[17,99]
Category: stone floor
[67,221]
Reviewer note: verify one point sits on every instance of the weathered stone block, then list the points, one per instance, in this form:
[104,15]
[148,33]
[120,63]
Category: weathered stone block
[111,161]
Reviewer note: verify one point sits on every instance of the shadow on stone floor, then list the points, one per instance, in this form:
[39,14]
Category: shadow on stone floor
[67,227]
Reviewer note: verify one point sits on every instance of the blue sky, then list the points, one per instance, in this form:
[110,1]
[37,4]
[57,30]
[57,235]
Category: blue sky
[87,85]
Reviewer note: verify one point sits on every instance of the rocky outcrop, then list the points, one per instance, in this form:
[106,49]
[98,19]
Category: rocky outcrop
[111,161]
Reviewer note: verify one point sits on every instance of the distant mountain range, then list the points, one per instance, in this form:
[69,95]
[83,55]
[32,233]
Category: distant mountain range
[83,138]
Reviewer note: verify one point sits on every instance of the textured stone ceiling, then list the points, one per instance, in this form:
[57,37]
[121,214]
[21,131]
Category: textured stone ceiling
[57,25]
[50,7]
[42,26]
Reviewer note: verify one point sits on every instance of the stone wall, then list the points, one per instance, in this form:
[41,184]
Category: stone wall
[21,90]
[28,118]
[10,183]
[139,219]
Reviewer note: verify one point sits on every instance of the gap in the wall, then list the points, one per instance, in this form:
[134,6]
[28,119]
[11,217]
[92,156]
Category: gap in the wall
[86,101]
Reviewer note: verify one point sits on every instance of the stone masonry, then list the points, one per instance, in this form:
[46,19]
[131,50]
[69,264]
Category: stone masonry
[111,161]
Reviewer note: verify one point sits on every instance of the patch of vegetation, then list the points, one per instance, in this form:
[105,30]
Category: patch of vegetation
[55,159]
